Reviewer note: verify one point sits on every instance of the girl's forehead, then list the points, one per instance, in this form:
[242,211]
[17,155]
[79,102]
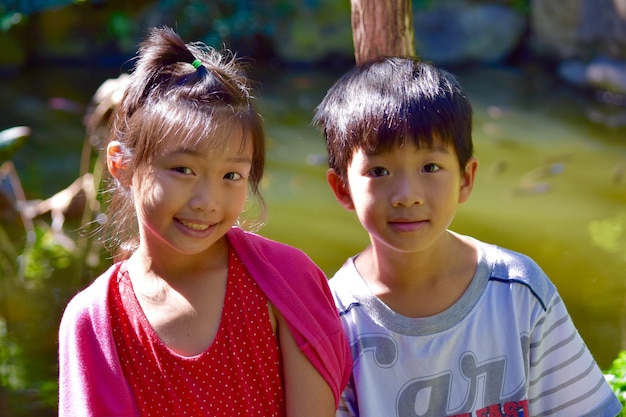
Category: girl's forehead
[170,124]
[227,137]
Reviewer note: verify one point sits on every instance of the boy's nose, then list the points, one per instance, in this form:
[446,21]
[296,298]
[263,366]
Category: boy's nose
[406,192]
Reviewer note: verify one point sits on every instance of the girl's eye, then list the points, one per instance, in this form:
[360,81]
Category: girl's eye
[184,170]
[431,168]
[233,176]
[378,172]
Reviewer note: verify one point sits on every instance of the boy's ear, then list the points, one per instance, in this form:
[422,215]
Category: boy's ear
[467,181]
[115,159]
[340,189]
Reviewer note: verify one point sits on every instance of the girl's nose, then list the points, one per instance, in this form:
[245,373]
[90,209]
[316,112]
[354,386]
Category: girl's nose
[205,197]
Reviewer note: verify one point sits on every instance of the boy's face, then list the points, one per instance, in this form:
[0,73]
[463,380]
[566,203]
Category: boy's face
[405,197]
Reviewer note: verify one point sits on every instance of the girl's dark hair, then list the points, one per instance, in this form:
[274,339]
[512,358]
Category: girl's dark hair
[191,91]
[390,101]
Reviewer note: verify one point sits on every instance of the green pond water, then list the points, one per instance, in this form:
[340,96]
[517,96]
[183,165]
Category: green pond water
[551,184]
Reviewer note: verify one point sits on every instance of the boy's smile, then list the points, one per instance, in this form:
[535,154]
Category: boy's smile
[407,226]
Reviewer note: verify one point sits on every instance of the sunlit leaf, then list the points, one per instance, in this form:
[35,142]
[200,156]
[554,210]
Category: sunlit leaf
[12,139]
[610,234]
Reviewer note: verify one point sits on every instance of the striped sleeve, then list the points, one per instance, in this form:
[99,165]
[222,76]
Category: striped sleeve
[564,379]
[348,404]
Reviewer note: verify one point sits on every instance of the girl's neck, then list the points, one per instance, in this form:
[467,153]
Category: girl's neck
[182,302]
[171,267]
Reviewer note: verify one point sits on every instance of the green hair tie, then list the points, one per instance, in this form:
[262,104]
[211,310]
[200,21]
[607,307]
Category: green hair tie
[196,63]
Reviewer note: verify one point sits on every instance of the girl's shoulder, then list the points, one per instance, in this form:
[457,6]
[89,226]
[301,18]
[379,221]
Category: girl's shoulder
[276,266]
[266,248]
[90,303]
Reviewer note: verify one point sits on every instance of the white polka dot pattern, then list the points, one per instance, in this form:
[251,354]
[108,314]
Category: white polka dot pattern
[238,375]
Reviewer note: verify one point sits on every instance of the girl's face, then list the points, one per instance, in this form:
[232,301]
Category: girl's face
[188,198]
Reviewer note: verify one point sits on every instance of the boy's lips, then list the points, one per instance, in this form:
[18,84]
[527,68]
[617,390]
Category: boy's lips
[407,225]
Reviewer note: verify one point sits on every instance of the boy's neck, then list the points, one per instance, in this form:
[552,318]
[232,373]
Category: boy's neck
[424,283]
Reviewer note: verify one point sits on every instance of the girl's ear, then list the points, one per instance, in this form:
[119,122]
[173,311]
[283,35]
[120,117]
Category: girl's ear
[467,180]
[115,160]
[340,189]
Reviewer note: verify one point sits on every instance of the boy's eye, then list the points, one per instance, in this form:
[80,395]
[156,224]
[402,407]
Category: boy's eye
[184,170]
[378,172]
[431,168]
[233,176]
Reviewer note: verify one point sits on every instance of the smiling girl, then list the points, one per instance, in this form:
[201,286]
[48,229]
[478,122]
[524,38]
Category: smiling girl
[196,316]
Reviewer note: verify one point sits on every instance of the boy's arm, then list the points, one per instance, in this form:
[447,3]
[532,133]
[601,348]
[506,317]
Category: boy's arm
[307,393]
[348,406]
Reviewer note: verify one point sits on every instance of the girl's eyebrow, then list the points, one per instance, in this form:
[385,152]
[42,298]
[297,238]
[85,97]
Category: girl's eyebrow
[183,150]
[195,153]
[240,159]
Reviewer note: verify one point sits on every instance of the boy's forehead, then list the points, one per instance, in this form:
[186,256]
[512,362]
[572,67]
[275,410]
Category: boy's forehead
[433,144]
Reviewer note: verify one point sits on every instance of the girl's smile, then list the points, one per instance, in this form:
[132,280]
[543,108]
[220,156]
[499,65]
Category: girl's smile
[195,226]
[191,197]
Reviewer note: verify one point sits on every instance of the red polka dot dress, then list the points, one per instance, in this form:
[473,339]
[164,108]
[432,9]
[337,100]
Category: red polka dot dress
[238,375]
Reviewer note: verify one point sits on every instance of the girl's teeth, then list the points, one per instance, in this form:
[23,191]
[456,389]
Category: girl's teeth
[195,226]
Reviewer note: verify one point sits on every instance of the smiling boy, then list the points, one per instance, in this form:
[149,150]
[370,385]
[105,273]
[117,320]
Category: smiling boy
[440,324]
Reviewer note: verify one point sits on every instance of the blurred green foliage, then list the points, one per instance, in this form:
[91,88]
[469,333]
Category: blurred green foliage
[33,6]
[616,376]
[93,30]
[14,12]
[108,32]
[36,281]
[215,22]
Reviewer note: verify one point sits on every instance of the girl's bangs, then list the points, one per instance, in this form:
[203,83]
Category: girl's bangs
[192,125]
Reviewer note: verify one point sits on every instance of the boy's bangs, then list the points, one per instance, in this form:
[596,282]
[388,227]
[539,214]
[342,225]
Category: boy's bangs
[413,124]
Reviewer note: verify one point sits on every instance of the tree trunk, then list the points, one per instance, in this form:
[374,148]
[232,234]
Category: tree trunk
[382,27]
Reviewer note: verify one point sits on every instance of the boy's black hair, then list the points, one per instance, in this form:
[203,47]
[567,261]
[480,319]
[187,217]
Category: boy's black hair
[393,101]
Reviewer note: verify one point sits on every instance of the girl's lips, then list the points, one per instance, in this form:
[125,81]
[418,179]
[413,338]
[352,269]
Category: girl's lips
[194,226]
[195,229]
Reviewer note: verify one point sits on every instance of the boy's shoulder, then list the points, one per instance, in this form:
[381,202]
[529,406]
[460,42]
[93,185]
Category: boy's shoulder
[495,263]
[510,265]
[515,268]
[345,284]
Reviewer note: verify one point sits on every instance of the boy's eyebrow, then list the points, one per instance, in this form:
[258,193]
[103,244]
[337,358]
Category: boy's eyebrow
[438,147]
